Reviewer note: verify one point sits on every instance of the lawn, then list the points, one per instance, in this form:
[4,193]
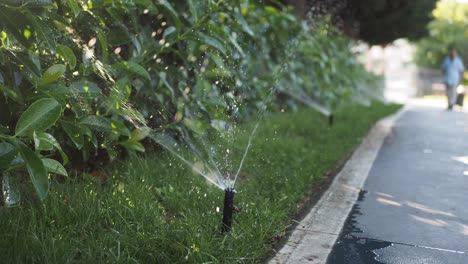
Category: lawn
[154,209]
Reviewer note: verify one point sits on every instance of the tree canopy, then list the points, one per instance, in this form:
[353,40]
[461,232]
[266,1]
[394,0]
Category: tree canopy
[374,21]
[448,30]
[382,21]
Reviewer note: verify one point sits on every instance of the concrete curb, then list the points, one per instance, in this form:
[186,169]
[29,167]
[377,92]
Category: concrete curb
[315,235]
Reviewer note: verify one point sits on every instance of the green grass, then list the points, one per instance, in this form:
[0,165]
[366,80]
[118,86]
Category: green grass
[155,210]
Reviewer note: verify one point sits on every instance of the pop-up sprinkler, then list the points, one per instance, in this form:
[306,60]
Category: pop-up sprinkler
[330,119]
[228,209]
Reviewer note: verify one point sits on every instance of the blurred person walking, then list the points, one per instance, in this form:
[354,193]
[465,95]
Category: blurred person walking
[453,70]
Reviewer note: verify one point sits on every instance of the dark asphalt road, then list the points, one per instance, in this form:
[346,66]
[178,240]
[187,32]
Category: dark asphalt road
[414,206]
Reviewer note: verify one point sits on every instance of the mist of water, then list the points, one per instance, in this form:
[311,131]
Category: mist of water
[306,100]
[188,153]
[215,162]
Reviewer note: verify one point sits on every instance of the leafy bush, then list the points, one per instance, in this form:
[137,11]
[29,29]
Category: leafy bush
[82,81]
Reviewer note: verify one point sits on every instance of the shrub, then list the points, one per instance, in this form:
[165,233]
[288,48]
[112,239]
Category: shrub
[83,81]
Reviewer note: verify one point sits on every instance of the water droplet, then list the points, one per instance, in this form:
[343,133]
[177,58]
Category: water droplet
[91,42]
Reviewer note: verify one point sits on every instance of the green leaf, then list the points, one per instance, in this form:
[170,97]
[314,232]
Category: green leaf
[134,68]
[194,9]
[196,126]
[64,156]
[245,26]
[210,41]
[168,32]
[74,132]
[140,133]
[39,116]
[36,171]
[133,145]
[120,128]
[7,153]
[45,141]
[236,45]
[102,124]
[53,166]
[137,135]
[11,194]
[73,5]
[35,59]
[98,123]
[162,76]
[172,12]
[168,6]
[67,54]
[103,42]
[53,73]
[10,92]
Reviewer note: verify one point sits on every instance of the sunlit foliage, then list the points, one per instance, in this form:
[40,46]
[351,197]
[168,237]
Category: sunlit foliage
[82,82]
[448,30]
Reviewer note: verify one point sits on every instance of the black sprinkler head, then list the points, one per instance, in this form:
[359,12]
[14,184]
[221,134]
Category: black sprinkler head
[330,120]
[228,209]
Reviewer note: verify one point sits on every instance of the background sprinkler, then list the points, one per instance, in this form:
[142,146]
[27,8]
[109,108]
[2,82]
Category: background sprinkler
[330,119]
[228,209]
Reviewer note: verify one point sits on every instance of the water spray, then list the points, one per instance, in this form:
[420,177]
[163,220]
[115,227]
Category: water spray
[228,209]
[305,99]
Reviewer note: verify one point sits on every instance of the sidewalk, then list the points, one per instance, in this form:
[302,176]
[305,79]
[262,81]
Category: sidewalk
[413,207]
